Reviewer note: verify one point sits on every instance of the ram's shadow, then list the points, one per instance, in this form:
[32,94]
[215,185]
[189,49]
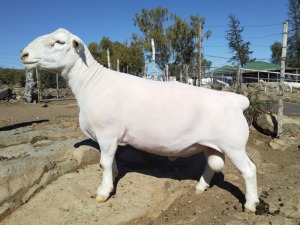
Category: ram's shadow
[23,124]
[130,160]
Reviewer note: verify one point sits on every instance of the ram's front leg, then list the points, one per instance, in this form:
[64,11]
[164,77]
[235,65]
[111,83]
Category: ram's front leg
[108,165]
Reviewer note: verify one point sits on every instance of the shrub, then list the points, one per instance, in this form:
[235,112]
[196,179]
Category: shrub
[258,105]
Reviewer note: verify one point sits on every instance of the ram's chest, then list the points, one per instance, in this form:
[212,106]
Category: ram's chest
[87,127]
[100,122]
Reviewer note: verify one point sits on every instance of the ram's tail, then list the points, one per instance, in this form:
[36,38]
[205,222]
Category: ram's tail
[243,102]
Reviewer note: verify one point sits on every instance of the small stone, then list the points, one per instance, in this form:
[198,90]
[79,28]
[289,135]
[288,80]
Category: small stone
[65,207]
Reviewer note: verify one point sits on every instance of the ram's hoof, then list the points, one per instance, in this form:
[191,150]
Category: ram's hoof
[251,207]
[100,199]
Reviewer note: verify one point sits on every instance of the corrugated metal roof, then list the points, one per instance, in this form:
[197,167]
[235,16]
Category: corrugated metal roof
[260,65]
[225,70]
[257,65]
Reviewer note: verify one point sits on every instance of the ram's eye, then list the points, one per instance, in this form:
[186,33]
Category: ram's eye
[60,42]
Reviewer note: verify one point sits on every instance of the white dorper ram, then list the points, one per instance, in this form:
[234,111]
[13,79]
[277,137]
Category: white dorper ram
[165,118]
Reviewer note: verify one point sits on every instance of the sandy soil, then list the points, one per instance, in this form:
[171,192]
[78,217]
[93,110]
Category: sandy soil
[152,189]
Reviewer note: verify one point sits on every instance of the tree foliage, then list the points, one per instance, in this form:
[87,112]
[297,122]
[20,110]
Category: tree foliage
[48,80]
[175,38]
[131,58]
[293,48]
[181,36]
[152,24]
[276,50]
[11,77]
[237,45]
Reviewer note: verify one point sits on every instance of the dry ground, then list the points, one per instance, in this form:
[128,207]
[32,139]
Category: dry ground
[151,189]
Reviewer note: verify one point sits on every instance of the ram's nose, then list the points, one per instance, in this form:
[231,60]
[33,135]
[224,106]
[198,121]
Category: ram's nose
[24,55]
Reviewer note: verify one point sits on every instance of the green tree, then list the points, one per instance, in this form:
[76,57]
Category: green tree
[12,77]
[237,45]
[48,80]
[276,50]
[137,62]
[174,44]
[94,49]
[131,58]
[182,42]
[293,48]
[104,44]
[152,25]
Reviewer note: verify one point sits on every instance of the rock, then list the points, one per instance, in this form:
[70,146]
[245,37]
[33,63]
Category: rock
[291,129]
[257,142]
[5,93]
[266,124]
[282,143]
[85,155]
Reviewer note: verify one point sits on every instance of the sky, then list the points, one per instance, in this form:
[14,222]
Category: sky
[22,21]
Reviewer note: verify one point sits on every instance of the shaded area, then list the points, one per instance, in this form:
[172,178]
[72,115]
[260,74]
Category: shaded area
[23,124]
[130,160]
[219,181]
[270,133]
[88,142]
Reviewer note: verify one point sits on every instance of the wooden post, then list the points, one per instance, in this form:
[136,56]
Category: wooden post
[39,85]
[118,65]
[167,72]
[282,74]
[145,69]
[185,73]
[57,86]
[238,79]
[108,59]
[180,76]
[153,58]
[199,54]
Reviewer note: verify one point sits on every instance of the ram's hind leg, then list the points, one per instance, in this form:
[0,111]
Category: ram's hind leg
[248,170]
[215,162]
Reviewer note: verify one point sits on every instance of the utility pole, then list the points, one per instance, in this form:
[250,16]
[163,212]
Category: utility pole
[199,54]
[282,75]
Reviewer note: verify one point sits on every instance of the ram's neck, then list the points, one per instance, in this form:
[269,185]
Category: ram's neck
[84,74]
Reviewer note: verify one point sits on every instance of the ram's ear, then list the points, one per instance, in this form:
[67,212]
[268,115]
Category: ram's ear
[77,45]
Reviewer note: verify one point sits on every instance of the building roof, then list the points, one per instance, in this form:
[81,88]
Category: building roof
[256,65]
[225,70]
[260,65]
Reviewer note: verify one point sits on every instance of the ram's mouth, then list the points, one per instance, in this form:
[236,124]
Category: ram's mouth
[30,64]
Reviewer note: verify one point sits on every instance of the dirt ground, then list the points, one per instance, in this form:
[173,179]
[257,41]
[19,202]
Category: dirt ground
[152,190]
